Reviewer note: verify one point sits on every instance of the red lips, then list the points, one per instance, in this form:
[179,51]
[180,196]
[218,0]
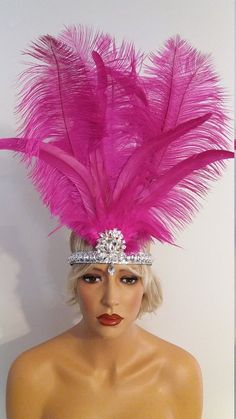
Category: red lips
[109,320]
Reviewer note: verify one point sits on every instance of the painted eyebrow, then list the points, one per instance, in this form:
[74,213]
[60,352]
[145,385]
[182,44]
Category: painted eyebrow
[95,270]
[126,271]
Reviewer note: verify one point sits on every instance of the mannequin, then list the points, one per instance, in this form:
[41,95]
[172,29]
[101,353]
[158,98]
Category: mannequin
[106,368]
[120,151]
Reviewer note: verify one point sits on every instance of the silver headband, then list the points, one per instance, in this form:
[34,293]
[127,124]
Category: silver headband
[110,249]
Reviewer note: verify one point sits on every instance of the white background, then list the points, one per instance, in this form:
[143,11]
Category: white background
[197,279]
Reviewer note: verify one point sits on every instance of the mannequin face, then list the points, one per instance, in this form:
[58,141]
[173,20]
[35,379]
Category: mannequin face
[101,295]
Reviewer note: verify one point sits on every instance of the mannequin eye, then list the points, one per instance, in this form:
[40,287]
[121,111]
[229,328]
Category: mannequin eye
[91,279]
[129,280]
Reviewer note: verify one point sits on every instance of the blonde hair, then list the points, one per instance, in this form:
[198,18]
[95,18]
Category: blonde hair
[152,297]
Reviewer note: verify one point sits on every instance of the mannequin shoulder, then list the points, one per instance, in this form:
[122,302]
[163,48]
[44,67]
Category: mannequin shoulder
[187,386]
[175,355]
[40,359]
[176,361]
[169,353]
[31,379]
[182,375]
[33,362]
[183,365]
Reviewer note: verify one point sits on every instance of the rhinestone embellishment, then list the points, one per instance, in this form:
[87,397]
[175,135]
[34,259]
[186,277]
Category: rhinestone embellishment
[111,241]
[111,269]
[110,250]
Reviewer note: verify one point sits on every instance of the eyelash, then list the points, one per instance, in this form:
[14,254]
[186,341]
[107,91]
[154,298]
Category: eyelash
[130,280]
[93,279]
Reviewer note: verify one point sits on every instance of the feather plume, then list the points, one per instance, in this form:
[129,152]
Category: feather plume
[112,142]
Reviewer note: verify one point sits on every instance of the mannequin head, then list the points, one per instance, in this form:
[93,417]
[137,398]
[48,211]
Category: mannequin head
[151,294]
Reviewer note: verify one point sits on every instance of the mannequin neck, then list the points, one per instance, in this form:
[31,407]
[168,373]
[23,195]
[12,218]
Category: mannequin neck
[109,354]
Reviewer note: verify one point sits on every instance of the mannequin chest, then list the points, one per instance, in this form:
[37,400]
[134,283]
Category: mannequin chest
[88,399]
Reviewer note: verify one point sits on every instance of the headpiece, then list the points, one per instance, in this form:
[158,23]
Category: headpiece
[119,144]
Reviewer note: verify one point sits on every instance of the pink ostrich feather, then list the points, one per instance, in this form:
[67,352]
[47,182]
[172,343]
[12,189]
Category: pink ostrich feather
[111,141]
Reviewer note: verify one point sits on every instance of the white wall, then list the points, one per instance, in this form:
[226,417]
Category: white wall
[197,280]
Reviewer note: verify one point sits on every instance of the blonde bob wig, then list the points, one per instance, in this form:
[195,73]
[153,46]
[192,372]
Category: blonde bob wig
[152,297]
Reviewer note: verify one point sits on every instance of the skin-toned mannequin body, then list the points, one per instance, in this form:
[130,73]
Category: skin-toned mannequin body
[103,371]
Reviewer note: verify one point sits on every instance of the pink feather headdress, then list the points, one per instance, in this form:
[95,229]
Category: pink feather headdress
[114,139]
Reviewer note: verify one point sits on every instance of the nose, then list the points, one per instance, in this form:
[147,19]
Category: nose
[110,296]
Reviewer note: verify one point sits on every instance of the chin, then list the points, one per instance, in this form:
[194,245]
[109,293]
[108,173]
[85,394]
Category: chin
[102,331]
